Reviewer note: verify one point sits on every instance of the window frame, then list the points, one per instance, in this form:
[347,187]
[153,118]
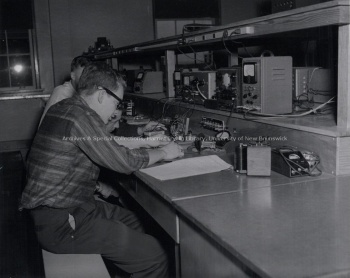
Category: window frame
[33,62]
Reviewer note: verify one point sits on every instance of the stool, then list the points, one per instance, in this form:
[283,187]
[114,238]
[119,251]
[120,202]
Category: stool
[74,265]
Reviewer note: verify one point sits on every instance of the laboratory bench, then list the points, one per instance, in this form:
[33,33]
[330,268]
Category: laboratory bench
[227,224]
[294,230]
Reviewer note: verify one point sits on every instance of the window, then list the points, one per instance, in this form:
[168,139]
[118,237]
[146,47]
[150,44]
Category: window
[16,60]
[17,50]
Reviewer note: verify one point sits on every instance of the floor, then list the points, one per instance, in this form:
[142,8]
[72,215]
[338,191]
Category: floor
[20,254]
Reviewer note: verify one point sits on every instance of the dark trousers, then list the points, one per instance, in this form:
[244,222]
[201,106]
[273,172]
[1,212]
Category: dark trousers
[101,228]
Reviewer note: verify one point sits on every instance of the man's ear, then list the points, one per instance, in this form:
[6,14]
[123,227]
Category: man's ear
[72,76]
[100,96]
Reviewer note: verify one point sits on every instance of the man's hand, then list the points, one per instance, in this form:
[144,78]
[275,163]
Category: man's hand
[154,141]
[150,126]
[158,140]
[106,190]
[172,150]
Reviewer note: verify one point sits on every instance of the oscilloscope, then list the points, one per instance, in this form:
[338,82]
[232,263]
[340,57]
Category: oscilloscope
[267,84]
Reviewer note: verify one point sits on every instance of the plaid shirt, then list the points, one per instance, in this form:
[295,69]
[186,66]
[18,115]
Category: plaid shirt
[62,164]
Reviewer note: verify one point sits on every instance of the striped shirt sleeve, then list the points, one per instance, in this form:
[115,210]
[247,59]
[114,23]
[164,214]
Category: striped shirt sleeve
[93,139]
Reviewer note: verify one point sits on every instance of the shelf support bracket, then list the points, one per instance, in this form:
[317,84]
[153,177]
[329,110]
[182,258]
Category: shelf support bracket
[233,59]
[343,113]
[169,72]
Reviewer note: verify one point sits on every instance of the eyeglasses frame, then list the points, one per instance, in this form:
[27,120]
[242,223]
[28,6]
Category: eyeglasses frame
[120,105]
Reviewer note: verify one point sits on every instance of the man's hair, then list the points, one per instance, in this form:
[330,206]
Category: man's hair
[98,74]
[79,61]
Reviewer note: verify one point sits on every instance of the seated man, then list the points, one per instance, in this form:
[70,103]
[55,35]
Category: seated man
[62,170]
[68,89]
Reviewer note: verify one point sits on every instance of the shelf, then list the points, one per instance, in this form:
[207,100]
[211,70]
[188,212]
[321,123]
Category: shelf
[332,13]
[318,124]
[334,129]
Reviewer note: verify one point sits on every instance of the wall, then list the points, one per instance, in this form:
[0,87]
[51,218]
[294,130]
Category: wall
[76,24]
[237,10]
[64,29]
[19,119]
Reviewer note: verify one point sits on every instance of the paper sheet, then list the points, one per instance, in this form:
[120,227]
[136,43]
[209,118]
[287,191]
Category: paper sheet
[187,167]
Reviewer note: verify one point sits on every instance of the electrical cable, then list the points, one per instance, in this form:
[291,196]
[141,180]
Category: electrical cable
[276,116]
[225,36]
[199,91]
[194,53]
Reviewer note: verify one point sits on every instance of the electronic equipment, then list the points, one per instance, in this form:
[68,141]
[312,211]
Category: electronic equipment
[149,82]
[241,158]
[177,82]
[211,104]
[212,124]
[229,88]
[129,108]
[267,84]
[102,43]
[197,86]
[312,84]
[222,137]
[130,76]
[254,159]
[285,5]
[201,143]
[288,162]
[258,160]
[291,162]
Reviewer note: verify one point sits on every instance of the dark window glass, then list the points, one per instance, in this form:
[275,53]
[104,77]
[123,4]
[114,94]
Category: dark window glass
[4,73]
[3,63]
[21,79]
[21,72]
[18,42]
[2,43]
[16,14]
[16,45]
[4,78]
[16,61]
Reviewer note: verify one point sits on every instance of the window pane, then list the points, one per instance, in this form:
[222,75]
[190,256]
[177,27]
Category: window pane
[4,78]
[4,73]
[18,42]
[21,72]
[2,43]
[3,63]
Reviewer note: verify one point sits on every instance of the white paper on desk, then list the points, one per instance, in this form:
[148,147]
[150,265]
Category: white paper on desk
[187,167]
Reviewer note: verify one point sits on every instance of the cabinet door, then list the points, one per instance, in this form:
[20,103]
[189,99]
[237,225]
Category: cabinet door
[202,257]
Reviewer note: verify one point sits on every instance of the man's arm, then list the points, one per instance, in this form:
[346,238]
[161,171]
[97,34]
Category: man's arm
[138,142]
[100,146]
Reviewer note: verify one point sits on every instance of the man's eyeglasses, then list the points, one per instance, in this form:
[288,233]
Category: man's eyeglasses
[120,105]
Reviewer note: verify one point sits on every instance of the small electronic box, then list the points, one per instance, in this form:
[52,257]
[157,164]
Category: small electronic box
[149,82]
[267,84]
[198,86]
[229,88]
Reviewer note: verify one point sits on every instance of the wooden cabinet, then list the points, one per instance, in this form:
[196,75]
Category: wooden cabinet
[202,257]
